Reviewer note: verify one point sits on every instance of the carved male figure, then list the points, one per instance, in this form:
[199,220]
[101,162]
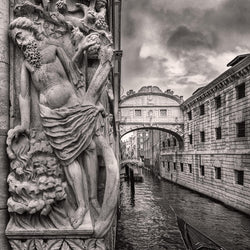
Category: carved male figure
[68,122]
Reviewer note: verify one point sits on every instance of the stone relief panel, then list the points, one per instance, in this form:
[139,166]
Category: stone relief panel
[63,126]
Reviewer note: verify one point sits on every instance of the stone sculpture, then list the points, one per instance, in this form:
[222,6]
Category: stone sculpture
[54,166]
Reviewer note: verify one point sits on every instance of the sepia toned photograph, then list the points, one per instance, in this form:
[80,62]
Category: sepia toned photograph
[125,125]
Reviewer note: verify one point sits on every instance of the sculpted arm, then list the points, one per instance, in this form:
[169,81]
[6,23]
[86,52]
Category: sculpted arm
[74,74]
[24,98]
[24,104]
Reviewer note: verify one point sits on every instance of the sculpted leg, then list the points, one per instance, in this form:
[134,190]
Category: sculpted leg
[75,179]
[91,164]
[108,210]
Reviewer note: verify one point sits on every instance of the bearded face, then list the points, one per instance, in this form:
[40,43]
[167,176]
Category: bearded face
[32,54]
[28,44]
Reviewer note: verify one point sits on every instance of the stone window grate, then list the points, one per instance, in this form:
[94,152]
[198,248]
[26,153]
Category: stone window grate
[217,173]
[239,177]
[240,91]
[217,101]
[241,129]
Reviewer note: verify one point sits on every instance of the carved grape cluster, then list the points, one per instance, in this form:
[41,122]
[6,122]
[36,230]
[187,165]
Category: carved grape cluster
[101,24]
[94,49]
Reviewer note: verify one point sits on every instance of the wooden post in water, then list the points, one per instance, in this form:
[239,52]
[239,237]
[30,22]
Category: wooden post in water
[132,186]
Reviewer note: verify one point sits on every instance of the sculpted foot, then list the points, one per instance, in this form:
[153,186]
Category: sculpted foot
[77,218]
[95,204]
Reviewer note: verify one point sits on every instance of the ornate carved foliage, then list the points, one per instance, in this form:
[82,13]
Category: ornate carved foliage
[58,244]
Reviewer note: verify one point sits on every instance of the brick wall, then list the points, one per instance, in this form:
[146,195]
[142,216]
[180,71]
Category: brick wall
[230,153]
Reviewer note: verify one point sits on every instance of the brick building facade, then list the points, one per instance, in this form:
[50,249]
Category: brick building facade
[215,159]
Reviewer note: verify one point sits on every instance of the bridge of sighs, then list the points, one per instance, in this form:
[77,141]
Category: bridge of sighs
[151,108]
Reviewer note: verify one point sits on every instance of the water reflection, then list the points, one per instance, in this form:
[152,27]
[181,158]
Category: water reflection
[147,220]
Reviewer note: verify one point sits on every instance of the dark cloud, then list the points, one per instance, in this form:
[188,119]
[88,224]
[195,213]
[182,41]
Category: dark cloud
[185,39]
[230,16]
[190,41]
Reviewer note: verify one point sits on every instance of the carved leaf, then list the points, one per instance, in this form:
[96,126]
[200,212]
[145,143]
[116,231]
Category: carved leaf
[16,244]
[100,245]
[65,246]
[30,245]
[76,244]
[40,245]
[54,244]
[95,244]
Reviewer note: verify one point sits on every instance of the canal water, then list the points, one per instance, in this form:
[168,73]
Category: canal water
[147,217]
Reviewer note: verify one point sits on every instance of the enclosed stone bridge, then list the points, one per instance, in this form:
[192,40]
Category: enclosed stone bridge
[151,108]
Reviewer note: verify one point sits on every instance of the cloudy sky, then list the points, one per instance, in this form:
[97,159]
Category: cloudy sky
[181,44]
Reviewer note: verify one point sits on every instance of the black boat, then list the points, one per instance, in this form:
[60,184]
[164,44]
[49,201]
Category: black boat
[194,239]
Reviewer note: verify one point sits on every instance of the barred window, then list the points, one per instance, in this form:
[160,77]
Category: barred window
[174,165]
[163,112]
[182,167]
[239,177]
[217,173]
[175,143]
[202,109]
[190,168]
[202,136]
[217,101]
[240,91]
[202,170]
[137,112]
[218,133]
[190,139]
[240,129]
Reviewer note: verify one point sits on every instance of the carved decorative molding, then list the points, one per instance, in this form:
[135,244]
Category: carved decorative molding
[58,244]
[234,74]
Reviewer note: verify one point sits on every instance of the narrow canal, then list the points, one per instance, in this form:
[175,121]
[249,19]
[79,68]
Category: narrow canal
[147,220]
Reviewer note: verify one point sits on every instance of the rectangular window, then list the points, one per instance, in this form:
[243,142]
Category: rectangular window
[202,170]
[182,167]
[202,109]
[189,115]
[174,165]
[191,139]
[163,164]
[163,112]
[202,136]
[240,129]
[239,177]
[240,91]
[168,166]
[163,144]
[217,173]
[190,168]
[169,143]
[175,143]
[218,133]
[217,100]
[137,112]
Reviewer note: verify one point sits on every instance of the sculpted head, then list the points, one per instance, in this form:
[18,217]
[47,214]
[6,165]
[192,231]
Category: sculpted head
[23,32]
[25,35]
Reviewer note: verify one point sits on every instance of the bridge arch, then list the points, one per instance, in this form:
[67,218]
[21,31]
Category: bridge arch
[151,108]
[178,134]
